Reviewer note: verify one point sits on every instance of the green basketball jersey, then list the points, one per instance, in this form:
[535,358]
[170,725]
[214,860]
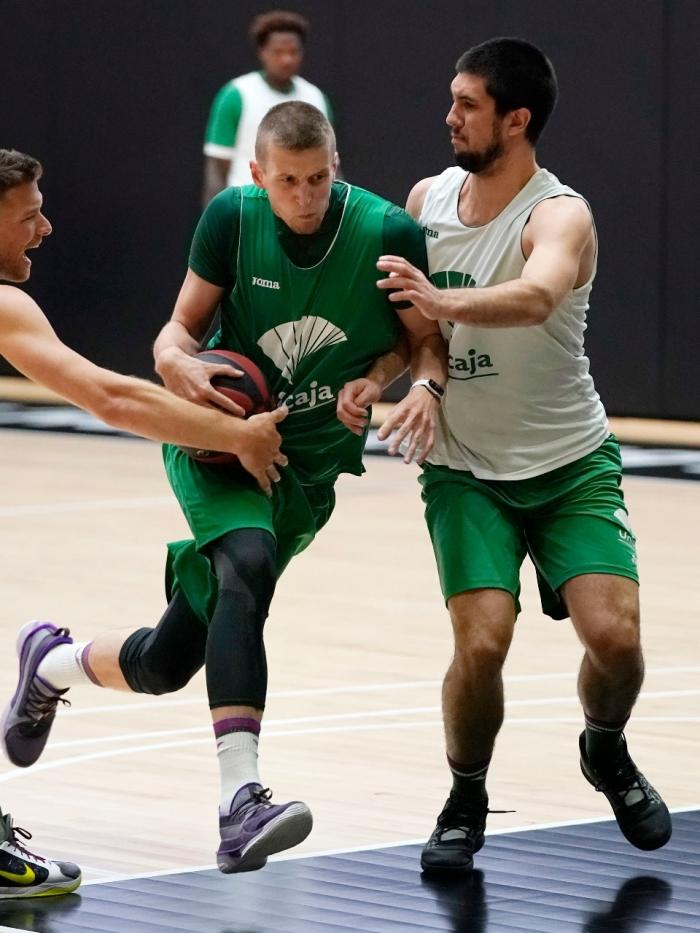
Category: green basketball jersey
[312,329]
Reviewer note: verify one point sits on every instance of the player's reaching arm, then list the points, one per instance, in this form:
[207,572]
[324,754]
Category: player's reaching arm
[421,348]
[413,418]
[559,243]
[30,344]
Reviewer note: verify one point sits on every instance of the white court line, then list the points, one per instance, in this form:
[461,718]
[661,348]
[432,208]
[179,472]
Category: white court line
[374,847]
[339,717]
[18,774]
[158,703]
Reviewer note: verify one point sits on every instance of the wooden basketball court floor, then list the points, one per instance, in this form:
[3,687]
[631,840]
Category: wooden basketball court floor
[358,641]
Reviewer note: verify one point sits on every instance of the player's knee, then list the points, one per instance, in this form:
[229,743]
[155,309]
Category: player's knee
[164,678]
[246,568]
[483,630]
[259,570]
[615,641]
[148,670]
[480,651]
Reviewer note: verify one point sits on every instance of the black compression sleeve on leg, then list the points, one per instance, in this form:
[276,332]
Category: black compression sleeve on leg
[165,658]
[245,566]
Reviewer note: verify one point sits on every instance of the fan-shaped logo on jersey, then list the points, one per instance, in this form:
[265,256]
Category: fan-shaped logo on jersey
[288,344]
[452,278]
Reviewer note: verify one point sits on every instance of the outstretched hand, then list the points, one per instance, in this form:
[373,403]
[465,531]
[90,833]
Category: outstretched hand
[406,283]
[411,421]
[261,454]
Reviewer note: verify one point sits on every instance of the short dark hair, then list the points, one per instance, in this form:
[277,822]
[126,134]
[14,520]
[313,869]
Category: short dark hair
[516,74]
[277,21]
[17,168]
[294,125]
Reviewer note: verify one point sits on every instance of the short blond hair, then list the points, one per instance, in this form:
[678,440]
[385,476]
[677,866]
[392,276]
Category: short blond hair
[294,125]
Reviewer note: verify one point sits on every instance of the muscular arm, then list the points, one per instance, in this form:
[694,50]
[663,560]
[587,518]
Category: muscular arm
[29,343]
[559,233]
[180,339]
[420,349]
[212,270]
[416,197]
[427,349]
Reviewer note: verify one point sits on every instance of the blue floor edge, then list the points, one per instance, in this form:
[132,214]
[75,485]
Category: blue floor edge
[574,877]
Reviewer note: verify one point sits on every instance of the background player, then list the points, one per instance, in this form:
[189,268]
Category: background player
[240,105]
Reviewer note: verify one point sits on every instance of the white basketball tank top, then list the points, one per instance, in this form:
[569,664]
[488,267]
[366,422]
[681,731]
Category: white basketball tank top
[520,401]
[257,97]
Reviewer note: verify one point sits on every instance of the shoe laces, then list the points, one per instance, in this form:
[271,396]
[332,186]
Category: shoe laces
[14,843]
[626,777]
[468,816]
[43,700]
[257,797]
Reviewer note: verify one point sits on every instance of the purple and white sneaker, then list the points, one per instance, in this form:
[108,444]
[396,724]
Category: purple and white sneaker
[28,717]
[255,828]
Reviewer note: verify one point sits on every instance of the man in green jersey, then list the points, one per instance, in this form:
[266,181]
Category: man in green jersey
[291,261]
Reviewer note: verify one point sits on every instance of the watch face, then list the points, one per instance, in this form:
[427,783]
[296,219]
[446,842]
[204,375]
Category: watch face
[436,387]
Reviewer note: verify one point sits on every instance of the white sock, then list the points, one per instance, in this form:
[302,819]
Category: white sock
[238,763]
[63,666]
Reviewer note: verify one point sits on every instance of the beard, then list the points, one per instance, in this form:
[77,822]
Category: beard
[477,162]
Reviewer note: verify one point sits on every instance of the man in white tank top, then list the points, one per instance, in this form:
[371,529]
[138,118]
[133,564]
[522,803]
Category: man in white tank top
[240,105]
[523,462]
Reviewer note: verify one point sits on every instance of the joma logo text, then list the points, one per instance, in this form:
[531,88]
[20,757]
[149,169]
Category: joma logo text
[265,283]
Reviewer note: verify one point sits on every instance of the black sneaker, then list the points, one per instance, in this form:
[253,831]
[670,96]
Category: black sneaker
[640,812]
[458,835]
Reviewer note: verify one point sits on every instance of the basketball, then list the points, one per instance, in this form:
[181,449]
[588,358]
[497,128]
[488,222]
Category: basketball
[250,391]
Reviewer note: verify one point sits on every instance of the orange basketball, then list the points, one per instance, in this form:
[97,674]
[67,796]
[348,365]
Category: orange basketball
[250,391]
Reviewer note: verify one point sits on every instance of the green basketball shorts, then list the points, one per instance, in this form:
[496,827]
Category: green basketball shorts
[216,500]
[570,521]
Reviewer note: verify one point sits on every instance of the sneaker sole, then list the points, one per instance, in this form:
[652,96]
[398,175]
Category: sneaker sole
[285,831]
[657,844]
[50,889]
